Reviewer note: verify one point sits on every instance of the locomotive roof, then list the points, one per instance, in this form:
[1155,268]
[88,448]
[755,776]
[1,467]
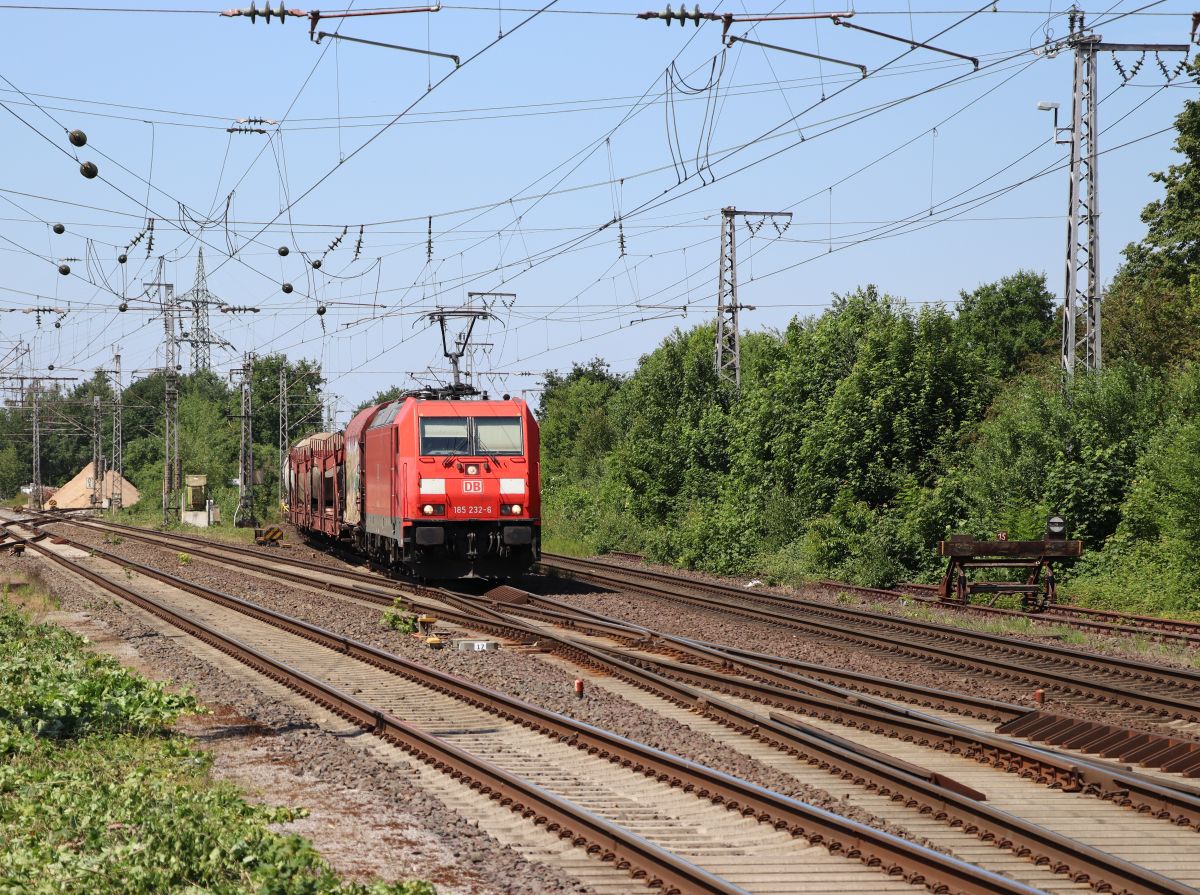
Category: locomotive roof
[370,417]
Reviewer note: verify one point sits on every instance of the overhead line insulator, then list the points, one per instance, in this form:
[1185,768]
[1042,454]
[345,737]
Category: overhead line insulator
[252,13]
[668,15]
[727,19]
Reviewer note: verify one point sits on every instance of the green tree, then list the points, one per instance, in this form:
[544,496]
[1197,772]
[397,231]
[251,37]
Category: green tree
[1152,320]
[1043,451]
[671,414]
[577,429]
[1011,320]
[1171,246]
[383,396]
[1152,309]
[305,410]
[13,472]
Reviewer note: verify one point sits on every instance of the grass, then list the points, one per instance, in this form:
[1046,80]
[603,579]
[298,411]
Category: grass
[565,545]
[99,797]
[224,532]
[25,590]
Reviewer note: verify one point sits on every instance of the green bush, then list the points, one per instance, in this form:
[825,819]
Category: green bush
[97,798]
[51,687]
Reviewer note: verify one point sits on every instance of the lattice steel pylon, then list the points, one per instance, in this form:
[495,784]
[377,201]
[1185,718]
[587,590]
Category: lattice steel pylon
[1081,342]
[118,438]
[728,361]
[97,454]
[244,517]
[201,298]
[35,497]
[284,432]
[729,342]
[1082,346]
[170,482]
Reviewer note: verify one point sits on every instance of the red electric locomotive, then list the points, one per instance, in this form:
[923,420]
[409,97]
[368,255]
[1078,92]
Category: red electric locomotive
[437,488]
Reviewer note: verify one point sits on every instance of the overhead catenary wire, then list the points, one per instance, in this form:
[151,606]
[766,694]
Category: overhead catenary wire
[520,226]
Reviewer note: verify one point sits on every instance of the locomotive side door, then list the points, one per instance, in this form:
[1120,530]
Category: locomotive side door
[394,509]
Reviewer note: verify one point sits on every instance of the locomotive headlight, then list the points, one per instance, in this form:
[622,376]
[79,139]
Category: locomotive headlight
[427,509]
[472,469]
[516,508]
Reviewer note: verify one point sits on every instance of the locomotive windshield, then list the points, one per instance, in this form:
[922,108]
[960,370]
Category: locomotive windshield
[470,436]
[444,436]
[498,435]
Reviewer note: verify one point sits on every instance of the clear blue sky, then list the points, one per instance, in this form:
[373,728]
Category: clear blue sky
[566,123]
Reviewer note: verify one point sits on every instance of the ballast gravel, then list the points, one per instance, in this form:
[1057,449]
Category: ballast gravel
[1045,630]
[745,633]
[507,671]
[424,838]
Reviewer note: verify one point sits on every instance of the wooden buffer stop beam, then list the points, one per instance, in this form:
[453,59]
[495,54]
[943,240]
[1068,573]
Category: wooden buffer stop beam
[1033,560]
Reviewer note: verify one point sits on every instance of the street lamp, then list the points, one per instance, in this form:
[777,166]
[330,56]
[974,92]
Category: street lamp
[1045,106]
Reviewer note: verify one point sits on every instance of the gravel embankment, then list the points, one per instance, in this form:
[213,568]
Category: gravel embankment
[1046,631]
[458,855]
[510,672]
[677,618]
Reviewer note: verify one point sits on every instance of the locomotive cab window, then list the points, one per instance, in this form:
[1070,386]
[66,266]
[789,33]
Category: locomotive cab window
[498,435]
[469,436]
[445,436]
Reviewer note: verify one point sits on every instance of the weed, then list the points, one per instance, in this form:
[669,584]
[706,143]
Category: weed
[399,619]
[185,559]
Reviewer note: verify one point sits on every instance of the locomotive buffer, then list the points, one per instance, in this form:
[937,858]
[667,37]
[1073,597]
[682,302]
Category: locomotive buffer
[1035,558]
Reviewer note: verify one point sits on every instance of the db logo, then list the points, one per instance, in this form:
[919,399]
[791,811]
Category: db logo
[472,486]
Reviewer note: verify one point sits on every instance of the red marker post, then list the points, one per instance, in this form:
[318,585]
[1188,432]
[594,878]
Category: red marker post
[579,688]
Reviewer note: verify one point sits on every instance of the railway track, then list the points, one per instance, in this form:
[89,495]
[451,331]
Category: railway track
[1094,621]
[680,826]
[1142,690]
[848,687]
[383,590]
[1097,621]
[786,743]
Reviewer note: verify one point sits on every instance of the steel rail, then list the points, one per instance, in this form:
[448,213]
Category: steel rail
[942,797]
[841,835]
[1175,627]
[646,860]
[1121,623]
[965,703]
[1130,667]
[1065,679]
[1178,803]
[371,577]
[1081,862]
